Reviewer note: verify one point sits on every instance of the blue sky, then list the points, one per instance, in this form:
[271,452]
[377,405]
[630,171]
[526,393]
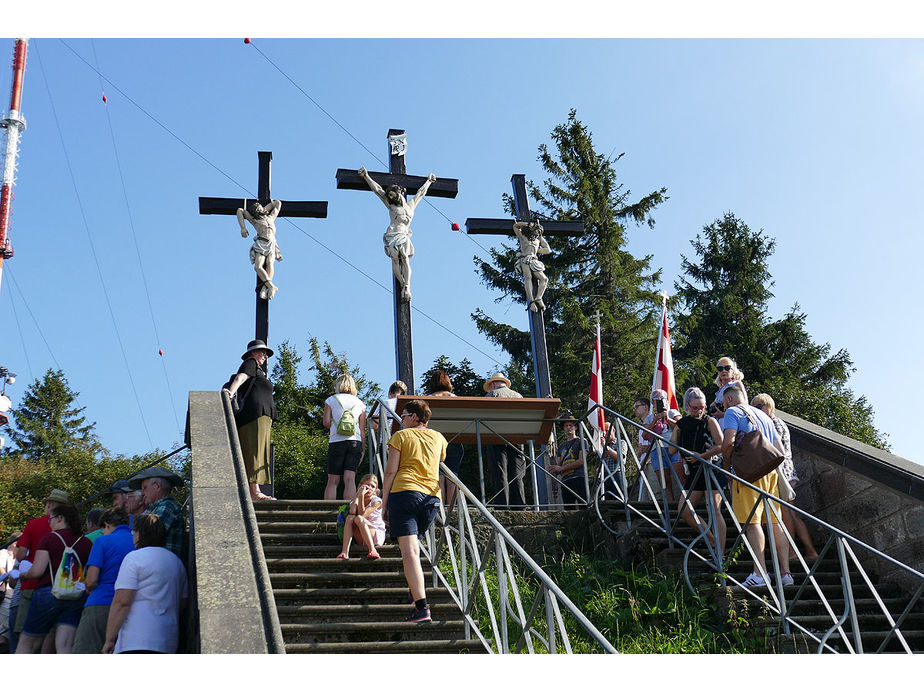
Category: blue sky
[816,142]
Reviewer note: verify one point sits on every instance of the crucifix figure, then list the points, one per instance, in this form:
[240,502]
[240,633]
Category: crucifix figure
[262,214]
[531,236]
[532,244]
[264,253]
[397,238]
[392,188]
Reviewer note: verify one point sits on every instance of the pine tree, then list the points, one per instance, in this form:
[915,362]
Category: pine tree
[590,273]
[48,424]
[724,299]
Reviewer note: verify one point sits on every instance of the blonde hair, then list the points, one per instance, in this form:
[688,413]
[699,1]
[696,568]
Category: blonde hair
[767,402]
[345,383]
[371,477]
[734,372]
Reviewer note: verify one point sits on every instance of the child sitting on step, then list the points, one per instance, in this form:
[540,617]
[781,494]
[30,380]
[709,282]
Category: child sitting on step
[364,518]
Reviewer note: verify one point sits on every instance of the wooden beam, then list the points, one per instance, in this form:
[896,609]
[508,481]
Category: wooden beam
[441,187]
[504,227]
[230,205]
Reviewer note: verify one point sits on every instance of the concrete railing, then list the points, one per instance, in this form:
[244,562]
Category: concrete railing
[236,610]
[871,494]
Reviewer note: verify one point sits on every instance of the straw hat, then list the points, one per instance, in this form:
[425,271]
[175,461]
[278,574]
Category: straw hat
[494,378]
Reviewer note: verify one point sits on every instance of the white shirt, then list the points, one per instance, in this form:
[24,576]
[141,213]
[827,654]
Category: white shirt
[159,579]
[351,402]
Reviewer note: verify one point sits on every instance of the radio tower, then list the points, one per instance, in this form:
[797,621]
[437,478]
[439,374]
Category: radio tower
[13,125]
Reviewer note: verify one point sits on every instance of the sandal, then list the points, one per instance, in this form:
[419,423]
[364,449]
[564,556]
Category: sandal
[754,580]
[373,555]
[262,497]
[343,556]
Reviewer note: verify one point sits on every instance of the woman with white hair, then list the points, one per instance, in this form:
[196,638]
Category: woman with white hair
[793,522]
[700,433]
[345,418]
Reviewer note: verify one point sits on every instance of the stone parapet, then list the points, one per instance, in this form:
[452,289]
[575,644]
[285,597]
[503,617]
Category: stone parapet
[868,493]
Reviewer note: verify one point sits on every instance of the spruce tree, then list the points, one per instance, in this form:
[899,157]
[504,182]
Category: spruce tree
[590,273]
[465,381]
[48,425]
[724,296]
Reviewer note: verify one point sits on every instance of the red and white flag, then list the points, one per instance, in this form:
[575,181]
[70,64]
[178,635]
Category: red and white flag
[664,363]
[596,419]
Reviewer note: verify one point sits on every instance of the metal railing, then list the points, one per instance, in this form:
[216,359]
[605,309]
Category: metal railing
[490,576]
[838,602]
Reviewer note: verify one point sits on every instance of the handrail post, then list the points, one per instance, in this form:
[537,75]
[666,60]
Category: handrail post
[502,596]
[484,497]
[532,469]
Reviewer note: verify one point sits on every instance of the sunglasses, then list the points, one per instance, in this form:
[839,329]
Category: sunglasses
[723,368]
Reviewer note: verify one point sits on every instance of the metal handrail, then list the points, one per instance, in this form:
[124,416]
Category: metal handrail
[843,545]
[473,556]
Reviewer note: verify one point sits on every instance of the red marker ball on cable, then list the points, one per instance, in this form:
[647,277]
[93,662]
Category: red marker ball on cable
[455,226]
[160,351]
[246,40]
[104,98]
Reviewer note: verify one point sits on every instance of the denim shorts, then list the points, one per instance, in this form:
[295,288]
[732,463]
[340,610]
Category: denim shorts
[47,611]
[344,456]
[411,513]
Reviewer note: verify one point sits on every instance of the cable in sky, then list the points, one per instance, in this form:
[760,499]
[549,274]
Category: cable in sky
[350,134]
[21,337]
[86,227]
[131,225]
[251,194]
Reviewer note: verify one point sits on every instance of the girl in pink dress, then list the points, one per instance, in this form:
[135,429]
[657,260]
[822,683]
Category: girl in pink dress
[364,518]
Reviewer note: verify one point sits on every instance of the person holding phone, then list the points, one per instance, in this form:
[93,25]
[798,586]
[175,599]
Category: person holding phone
[661,421]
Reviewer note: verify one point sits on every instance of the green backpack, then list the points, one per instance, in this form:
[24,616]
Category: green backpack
[347,424]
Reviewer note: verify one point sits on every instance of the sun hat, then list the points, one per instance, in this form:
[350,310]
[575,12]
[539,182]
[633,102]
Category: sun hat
[494,378]
[57,496]
[168,474]
[257,344]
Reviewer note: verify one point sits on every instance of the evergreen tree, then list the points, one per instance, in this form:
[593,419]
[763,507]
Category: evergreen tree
[465,381]
[724,299]
[48,424]
[590,273]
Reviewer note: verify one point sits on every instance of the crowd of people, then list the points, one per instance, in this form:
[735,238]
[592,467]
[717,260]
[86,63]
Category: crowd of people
[113,584]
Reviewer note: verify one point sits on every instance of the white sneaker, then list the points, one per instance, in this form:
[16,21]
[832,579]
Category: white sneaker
[755,580]
[787,579]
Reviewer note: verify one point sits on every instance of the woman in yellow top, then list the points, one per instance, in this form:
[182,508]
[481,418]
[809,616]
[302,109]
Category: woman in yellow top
[411,493]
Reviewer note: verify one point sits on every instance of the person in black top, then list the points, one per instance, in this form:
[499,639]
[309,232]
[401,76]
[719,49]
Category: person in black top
[255,419]
[700,433]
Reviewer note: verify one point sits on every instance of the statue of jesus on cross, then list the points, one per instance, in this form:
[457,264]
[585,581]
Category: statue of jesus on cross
[264,252]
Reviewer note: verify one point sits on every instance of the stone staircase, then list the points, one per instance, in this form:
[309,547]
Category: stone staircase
[646,541]
[328,605]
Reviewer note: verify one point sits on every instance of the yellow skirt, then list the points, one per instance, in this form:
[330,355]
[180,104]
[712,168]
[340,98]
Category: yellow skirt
[255,445]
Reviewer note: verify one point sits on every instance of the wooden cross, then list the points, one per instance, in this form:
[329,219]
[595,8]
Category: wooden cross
[230,205]
[504,227]
[349,179]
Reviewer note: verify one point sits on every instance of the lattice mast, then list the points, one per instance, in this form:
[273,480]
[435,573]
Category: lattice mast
[13,125]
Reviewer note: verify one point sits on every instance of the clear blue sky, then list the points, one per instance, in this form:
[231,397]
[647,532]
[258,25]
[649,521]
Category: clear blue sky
[816,142]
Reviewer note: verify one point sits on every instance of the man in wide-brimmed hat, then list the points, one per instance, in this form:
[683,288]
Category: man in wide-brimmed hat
[569,462]
[156,484]
[506,463]
[118,492]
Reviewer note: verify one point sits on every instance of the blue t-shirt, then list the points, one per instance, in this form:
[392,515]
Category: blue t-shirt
[107,554]
[736,419]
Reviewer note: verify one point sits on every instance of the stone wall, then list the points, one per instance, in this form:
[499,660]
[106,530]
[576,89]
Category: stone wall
[870,494]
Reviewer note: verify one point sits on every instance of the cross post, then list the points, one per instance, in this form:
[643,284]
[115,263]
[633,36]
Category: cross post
[230,205]
[349,179]
[504,227]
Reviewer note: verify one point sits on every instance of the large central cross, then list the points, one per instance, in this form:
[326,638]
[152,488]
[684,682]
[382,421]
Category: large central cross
[504,227]
[349,179]
[230,205]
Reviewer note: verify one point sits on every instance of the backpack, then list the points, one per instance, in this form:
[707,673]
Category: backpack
[347,424]
[67,582]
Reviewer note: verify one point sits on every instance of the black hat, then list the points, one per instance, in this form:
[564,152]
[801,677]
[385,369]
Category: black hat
[121,486]
[168,474]
[257,344]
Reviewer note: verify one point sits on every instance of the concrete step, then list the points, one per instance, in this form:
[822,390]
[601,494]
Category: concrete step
[357,596]
[341,579]
[326,550]
[359,613]
[360,631]
[336,565]
[446,646]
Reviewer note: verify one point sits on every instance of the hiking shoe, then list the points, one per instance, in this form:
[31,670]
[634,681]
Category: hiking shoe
[787,579]
[420,615]
[755,580]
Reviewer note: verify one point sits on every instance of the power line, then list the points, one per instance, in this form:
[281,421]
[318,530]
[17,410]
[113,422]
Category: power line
[250,193]
[86,227]
[131,224]
[21,338]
